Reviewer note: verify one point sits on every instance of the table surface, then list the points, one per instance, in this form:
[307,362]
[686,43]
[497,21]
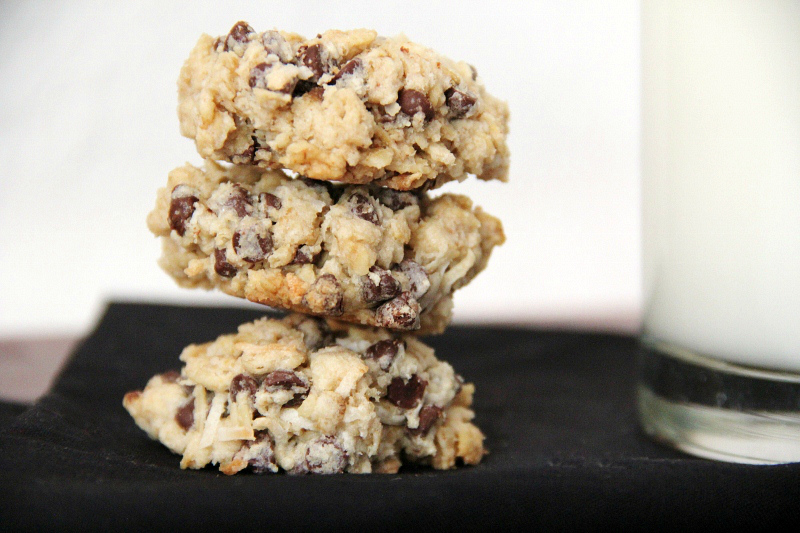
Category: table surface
[28,365]
[557,408]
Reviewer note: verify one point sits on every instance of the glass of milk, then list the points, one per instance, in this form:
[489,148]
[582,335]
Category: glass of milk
[719,374]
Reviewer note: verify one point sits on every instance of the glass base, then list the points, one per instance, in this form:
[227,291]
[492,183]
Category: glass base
[718,410]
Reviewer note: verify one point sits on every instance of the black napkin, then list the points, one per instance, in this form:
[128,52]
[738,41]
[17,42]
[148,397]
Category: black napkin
[557,409]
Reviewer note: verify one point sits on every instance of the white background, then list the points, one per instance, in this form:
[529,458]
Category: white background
[88,132]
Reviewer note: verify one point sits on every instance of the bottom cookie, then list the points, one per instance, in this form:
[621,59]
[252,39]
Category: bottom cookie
[292,394]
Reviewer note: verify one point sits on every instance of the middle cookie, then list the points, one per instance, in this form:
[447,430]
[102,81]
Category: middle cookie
[366,255]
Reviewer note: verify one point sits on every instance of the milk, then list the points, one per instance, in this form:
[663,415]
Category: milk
[721,178]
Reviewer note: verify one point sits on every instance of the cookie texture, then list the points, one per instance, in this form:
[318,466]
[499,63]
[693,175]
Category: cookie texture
[360,254]
[296,396]
[344,106]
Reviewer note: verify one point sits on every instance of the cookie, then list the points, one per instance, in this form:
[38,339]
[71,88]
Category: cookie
[296,396]
[344,106]
[361,254]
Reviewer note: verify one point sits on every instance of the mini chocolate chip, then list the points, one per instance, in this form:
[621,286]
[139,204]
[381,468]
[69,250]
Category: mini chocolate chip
[239,200]
[185,415]
[263,461]
[221,264]
[303,256]
[399,313]
[406,394]
[418,282]
[317,93]
[243,382]
[363,208]
[300,469]
[325,296]
[311,57]
[246,156]
[302,87]
[270,200]
[181,209]
[384,352]
[397,200]
[238,34]
[287,380]
[474,72]
[171,376]
[334,191]
[382,117]
[274,43]
[459,102]
[297,400]
[326,456]
[412,102]
[379,285]
[284,379]
[349,68]
[251,246]
[428,416]
[288,87]
[257,78]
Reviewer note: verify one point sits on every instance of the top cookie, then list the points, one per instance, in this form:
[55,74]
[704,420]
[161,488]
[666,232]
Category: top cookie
[345,106]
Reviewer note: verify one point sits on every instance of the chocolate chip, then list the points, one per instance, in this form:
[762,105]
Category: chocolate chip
[406,394]
[428,416]
[399,313]
[171,376]
[459,102]
[243,382]
[325,296]
[379,285]
[384,352]
[237,35]
[418,282]
[361,207]
[270,200]
[185,415]
[397,200]
[326,456]
[221,264]
[302,87]
[311,57]
[303,256]
[413,102]
[239,200]
[474,72]
[287,380]
[251,246]
[181,208]
[349,68]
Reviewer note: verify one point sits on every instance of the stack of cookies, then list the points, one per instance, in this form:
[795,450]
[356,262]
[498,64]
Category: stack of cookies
[314,198]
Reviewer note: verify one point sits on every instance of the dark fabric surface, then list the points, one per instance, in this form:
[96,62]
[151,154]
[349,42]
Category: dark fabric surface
[557,408]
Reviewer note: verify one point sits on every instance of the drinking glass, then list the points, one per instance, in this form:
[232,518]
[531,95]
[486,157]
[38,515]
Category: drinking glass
[719,372]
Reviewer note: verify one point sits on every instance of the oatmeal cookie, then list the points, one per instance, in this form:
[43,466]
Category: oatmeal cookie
[361,254]
[344,106]
[294,395]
